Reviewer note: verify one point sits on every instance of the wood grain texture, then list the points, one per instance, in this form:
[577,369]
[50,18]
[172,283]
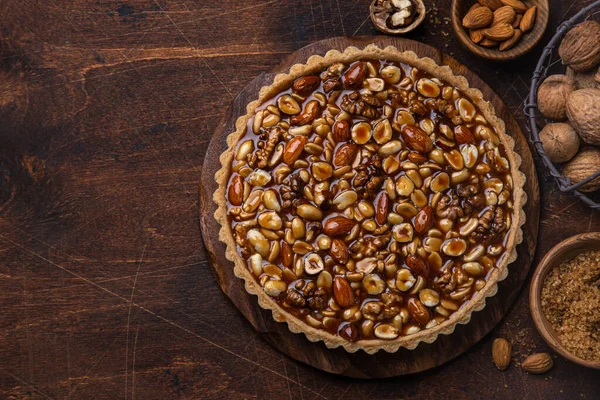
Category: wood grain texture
[338,361]
[106,111]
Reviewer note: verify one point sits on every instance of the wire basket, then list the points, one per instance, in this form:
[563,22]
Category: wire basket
[547,62]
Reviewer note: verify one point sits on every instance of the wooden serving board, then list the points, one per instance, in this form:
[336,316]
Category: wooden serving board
[338,361]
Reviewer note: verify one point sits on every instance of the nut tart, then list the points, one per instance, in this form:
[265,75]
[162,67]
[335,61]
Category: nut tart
[370,199]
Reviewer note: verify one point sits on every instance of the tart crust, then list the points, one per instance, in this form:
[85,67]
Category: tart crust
[476,303]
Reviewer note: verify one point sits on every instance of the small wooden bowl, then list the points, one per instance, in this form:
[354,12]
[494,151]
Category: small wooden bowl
[564,251]
[526,43]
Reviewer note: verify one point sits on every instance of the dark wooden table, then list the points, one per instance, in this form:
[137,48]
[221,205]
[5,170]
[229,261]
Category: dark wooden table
[106,109]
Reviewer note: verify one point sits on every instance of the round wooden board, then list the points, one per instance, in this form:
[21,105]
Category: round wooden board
[338,361]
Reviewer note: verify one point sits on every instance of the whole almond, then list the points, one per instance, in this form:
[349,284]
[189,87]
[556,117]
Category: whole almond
[339,251]
[306,85]
[491,4]
[517,21]
[476,35]
[338,226]
[417,265]
[381,208]
[501,352]
[287,255]
[235,193]
[528,20]
[424,220]
[307,115]
[478,18]
[342,292]
[355,75]
[341,131]
[345,154]
[474,6]
[499,32]
[488,43]
[504,14]
[509,44]
[463,135]
[418,311]
[538,363]
[293,149]
[417,158]
[416,139]
[519,6]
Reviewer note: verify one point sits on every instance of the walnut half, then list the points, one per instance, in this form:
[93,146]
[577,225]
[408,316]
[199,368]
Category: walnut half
[397,16]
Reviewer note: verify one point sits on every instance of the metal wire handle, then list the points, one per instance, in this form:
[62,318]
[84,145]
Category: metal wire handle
[530,107]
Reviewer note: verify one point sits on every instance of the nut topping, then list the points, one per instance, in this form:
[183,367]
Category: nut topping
[382,133]
[338,226]
[313,264]
[293,149]
[305,85]
[287,104]
[361,133]
[416,139]
[343,293]
[386,331]
[371,200]
[424,220]
[382,208]
[405,280]
[417,265]
[418,311]
[308,115]
[339,251]
[355,75]
[345,154]
[454,247]
[341,131]
[236,190]
[463,135]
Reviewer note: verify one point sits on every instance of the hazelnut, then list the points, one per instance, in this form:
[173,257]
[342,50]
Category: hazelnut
[560,142]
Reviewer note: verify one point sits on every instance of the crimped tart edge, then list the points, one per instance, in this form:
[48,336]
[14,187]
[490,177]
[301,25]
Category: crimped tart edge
[317,63]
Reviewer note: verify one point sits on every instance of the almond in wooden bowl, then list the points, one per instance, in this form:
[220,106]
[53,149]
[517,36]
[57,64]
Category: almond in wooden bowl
[499,30]
[551,265]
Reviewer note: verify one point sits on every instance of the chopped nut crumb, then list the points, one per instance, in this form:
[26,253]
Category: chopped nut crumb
[571,303]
